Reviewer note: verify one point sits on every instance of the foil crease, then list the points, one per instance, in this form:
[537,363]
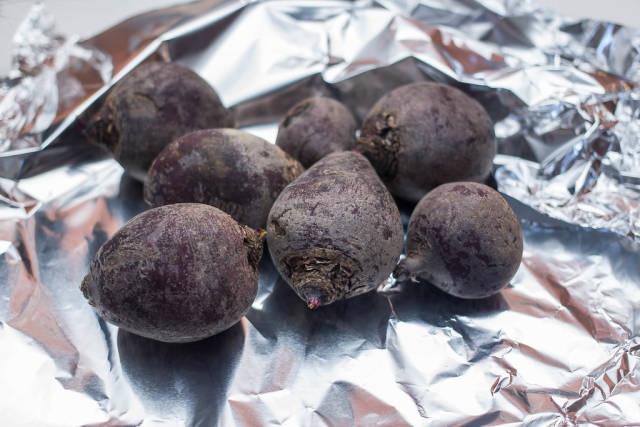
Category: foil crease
[560,346]
[50,75]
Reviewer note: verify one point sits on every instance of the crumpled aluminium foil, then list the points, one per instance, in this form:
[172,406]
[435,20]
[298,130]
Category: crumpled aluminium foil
[559,346]
[50,75]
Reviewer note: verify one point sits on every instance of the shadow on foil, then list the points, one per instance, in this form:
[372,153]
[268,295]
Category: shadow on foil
[191,378]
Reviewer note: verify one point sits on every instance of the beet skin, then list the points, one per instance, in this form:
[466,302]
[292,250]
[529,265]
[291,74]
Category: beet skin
[176,273]
[232,170]
[425,134]
[464,238]
[335,232]
[315,127]
[149,108]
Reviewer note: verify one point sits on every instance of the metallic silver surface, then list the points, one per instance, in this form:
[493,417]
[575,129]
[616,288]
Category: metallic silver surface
[50,75]
[559,346]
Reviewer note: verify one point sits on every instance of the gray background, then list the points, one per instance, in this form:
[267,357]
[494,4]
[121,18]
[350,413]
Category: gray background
[90,17]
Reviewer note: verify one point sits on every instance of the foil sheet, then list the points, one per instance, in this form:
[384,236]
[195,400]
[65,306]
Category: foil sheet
[559,346]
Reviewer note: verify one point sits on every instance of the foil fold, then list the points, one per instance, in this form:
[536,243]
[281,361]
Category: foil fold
[50,74]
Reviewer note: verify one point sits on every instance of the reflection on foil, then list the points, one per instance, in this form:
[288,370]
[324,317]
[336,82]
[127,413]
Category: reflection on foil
[50,75]
[560,346]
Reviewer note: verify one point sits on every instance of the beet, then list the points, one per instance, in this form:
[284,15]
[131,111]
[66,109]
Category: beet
[464,238]
[335,232]
[232,170]
[176,273]
[149,108]
[315,127]
[421,135]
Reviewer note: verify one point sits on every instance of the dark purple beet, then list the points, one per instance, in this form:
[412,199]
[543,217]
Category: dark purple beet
[315,127]
[149,108]
[425,134]
[232,170]
[464,238]
[176,273]
[335,232]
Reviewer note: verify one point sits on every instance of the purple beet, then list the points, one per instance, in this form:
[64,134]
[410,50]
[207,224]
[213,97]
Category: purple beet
[464,238]
[232,170]
[335,232]
[176,273]
[316,127]
[425,134]
[151,107]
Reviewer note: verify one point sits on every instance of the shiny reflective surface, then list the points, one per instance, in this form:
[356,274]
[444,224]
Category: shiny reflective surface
[560,346]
